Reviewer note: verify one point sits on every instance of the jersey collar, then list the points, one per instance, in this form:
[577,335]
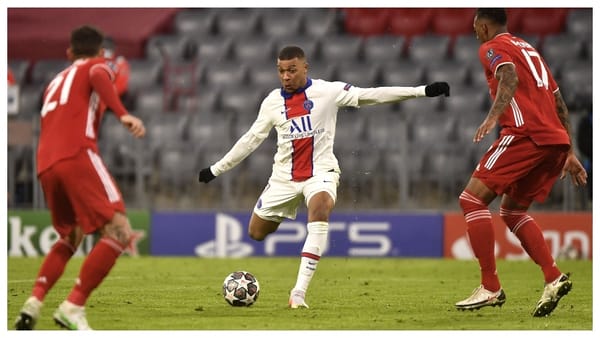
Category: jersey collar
[287,95]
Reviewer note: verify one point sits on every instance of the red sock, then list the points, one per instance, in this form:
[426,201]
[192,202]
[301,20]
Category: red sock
[52,268]
[95,267]
[532,240]
[481,237]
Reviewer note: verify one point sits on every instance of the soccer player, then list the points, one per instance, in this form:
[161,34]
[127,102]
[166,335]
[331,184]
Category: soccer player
[304,112]
[80,192]
[532,151]
[119,65]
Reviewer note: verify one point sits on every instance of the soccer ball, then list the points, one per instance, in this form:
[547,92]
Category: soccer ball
[240,288]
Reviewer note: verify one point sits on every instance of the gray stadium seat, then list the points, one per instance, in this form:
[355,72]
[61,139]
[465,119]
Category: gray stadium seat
[150,101]
[383,49]
[319,22]
[254,49]
[276,23]
[212,48]
[405,73]
[264,75]
[209,130]
[364,75]
[322,70]
[309,45]
[350,129]
[339,48]
[454,72]
[43,71]
[237,21]
[224,73]
[579,22]
[195,22]
[560,48]
[30,99]
[19,69]
[428,48]
[173,46]
[241,98]
[384,126]
[143,73]
[466,49]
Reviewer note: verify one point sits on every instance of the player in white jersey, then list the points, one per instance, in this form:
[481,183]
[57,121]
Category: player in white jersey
[304,113]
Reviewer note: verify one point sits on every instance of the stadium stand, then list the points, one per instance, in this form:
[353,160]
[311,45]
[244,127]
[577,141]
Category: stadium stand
[233,51]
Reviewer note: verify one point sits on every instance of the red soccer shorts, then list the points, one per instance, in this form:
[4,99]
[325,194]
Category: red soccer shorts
[517,167]
[80,191]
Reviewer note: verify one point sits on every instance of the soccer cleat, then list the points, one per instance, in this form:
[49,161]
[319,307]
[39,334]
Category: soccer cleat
[297,299]
[30,312]
[71,316]
[553,292]
[480,298]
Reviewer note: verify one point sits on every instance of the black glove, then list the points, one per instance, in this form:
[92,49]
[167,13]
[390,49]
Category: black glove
[437,88]
[205,175]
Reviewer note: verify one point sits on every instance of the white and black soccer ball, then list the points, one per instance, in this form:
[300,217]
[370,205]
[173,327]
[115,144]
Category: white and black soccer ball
[241,288]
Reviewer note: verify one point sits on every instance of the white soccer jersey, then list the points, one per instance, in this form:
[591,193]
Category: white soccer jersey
[305,122]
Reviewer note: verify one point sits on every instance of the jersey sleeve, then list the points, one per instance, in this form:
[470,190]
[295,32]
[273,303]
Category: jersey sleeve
[101,79]
[494,55]
[248,143]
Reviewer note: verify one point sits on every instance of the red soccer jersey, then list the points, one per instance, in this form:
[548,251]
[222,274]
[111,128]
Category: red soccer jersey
[532,111]
[71,113]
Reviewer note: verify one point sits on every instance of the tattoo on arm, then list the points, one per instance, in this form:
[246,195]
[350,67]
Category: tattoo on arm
[563,112]
[507,86]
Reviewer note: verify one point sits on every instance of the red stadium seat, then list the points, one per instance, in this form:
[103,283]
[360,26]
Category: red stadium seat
[410,21]
[453,21]
[543,21]
[366,21]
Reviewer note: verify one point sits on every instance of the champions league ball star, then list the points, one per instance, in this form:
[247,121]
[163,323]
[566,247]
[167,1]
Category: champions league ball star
[240,288]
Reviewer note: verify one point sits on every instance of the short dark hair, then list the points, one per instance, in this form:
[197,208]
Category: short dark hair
[86,41]
[291,52]
[496,15]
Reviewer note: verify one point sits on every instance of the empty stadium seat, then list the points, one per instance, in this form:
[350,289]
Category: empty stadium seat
[150,101]
[30,99]
[276,23]
[264,75]
[43,71]
[19,68]
[560,48]
[237,21]
[143,73]
[466,49]
[241,98]
[358,74]
[453,21]
[319,22]
[579,22]
[409,22]
[383,48]
[454,72]
[405,73]
[514,17]
[339,48]
[212,48]
[309,45]
[429,48]
[384,126]
[254,49]
[365,21]
[195,22]
[209,130]
[543,21]
[224,73]
[169,46]
[322,70]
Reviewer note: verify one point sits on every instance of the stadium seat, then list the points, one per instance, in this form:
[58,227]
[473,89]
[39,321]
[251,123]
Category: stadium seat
[170,46]
[405,73]
[454,72]
[30,99]
[264,75]
[358,74]
[576,84]
[430,129]
[209,130]
[319,22]
[195,22]
[310,45]
[514,19]
[350,129]
[409,22]
[254,49]
[429,48]
[383,126]
[322,70]
[241,98]
[466,49]
[212,48]
[579,22]
[383,48]
[206,98]
[453,21]
[150,101]
[559,48]
[237,21]
[176,168]
[143,73]
[276,23]
[365,21]
[165,130]
[43,71]
[224,73]
[543,21]
[19,68]
[423,106]
[339,48]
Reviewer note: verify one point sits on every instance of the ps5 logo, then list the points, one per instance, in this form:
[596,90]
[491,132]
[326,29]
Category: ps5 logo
[228,240]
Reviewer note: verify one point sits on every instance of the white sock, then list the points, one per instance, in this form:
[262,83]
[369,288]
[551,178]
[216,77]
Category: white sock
[311,253]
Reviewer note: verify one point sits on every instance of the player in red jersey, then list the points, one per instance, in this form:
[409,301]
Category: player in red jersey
[80,192]
[533,150]
[119,65]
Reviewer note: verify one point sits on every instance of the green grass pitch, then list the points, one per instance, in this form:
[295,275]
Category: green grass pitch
[152,293]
